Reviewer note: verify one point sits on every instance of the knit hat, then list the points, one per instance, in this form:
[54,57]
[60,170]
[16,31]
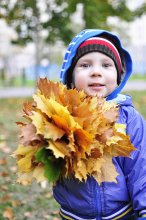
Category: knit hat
[103,45]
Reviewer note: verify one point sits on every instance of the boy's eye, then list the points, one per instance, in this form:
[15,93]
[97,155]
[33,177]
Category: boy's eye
[84,65]
[107,64]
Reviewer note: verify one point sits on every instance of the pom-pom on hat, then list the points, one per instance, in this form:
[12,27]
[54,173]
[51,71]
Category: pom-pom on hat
[103,45]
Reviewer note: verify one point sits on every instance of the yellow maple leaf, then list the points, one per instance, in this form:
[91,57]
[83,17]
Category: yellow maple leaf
[59,148]
[119,144]
[45,127]
[63,113]
[83,138]
[94,165]
[61,123]
[43,104]
[38,120]
[108,172]
[25,155]
[80,170]
[25,164]
[23,150]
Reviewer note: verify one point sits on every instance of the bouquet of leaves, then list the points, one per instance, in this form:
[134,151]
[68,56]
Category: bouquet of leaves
[69,134]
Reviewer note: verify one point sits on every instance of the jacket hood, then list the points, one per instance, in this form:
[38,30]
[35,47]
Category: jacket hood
[123,100]
[81,37]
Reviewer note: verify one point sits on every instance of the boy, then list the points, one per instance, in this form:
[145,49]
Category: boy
[97,63]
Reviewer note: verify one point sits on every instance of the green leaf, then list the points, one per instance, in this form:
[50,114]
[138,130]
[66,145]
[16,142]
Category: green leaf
[53,166]
[41,155]
[53,169]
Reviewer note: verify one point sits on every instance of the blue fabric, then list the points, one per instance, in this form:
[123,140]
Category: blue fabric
[88,199]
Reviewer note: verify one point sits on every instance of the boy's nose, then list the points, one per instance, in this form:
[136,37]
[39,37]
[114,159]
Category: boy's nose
[96,71]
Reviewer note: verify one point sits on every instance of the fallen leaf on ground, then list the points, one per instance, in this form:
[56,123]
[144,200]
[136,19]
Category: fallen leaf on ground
[8,213]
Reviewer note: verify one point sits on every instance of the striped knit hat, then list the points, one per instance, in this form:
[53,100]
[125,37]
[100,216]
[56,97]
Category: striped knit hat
[103,45]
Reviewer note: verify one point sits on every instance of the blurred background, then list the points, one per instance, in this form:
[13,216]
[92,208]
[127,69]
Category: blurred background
[34,35]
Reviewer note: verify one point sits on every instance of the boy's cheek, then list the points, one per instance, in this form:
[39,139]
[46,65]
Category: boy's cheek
[79,82]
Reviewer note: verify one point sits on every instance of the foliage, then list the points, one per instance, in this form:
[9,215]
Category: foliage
[67,134]
[26,16]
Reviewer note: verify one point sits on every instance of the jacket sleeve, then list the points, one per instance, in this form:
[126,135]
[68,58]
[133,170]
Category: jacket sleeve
[134,167]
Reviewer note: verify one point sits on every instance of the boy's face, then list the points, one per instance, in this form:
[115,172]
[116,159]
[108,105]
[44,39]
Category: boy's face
[96,74]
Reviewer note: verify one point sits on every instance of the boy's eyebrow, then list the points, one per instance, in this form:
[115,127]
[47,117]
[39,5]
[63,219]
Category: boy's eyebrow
[107,58]
[84,60]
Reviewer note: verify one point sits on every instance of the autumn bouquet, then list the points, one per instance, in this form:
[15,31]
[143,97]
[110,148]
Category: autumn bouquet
[69,134]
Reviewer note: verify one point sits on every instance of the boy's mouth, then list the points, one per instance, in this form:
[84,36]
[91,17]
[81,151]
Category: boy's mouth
[96,85]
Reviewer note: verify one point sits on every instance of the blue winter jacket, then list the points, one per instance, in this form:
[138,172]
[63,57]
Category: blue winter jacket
[125,199]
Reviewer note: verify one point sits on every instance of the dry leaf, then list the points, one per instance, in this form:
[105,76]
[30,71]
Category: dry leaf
[28,214]
[8,213]
[28,135]
[108,171]
[3,161]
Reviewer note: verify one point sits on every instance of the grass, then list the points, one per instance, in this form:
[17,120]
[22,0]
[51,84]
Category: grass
[19,81]
[139,77]
[32,202]
[139,101]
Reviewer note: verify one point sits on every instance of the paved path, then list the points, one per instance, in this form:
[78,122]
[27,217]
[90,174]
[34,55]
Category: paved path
[27,92]
[133,85]
[10,92]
